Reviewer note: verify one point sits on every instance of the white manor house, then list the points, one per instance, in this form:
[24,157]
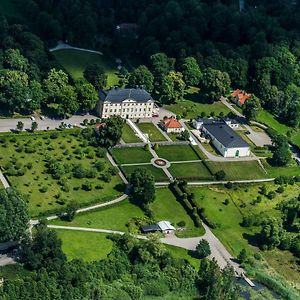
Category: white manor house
[129,103]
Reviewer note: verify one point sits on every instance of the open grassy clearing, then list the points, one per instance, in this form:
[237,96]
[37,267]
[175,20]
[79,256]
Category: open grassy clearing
[75,62]
[228,219]
[177,153]
[131,155]
[191,171]
[237,170]
[211,149]
[114,217]
[269,120]
[166,207]
[153,133]
[89,246]
[28,152]
[128,135]
[158,173]
[192,109]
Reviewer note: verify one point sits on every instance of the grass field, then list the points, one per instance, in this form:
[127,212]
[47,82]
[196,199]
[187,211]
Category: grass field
[128,135]
[269,120]
[228,219]
[75,62]
[166,207]
[191,171]
[177,153]
[191,109]
[114,217]
[291,170]
[89,246]
[158,173]
[41,190]
[131,155]
[154,134]
[238,170]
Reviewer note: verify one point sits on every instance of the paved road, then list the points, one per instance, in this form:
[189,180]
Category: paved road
[7,125]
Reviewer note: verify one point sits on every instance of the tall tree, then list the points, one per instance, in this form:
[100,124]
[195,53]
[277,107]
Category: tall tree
[191,71]
[142,190]
[214,84]
[281,154]
[14,219]
[172,87]
[87,96]
[13,59]
[271,233]
[251,108]
[141,76]
[95,74]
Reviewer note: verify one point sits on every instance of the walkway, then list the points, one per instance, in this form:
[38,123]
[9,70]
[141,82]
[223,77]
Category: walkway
[3,180]
[197,183]
[135,128]
[111,160]
[61,45]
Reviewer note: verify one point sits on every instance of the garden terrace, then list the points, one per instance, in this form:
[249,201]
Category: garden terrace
[128,136]
[159,174]
[177,153]
[42,166]
[153,133]
[131,155]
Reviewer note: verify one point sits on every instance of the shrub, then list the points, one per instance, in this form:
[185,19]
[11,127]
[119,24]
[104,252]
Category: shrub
[181,224]
[100,166]
[99,187]
[54,135]
[226,201]
[203,249]
[101,152]
[87,186]
[271,195]
[280,189]
[43,189]
[156,288]
[220,175]
[113,171]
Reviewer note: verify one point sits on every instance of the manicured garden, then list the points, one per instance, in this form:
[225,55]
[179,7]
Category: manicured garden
[153,133]
[89,246]
[237,170]
[131,155]
[158,173]
[128,136]
[42,166]
[177,153]
[75,61]
[191,171]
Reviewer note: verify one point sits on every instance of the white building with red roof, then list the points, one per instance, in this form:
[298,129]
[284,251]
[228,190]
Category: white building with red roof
[171,125]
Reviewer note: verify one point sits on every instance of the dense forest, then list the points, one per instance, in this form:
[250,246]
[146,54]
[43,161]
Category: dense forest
[258,47]
[134,269]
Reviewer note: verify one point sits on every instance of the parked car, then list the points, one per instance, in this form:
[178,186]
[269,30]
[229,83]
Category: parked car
[247,132]
[32,118]
[42,118]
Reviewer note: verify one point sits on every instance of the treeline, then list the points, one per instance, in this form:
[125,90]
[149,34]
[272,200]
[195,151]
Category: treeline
[133,270]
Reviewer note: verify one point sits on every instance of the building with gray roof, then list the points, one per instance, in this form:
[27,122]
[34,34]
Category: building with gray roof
[129,103]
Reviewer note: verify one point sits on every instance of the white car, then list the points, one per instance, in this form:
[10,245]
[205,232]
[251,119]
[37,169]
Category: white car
[42,118]
[32,118]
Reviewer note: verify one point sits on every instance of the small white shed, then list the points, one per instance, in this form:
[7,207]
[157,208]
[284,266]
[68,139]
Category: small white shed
[165,226]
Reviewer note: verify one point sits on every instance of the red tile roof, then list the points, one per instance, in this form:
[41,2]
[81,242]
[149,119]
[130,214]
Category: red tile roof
[171,123]
[241,95]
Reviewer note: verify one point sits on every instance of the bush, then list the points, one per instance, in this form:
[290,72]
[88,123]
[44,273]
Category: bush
[87,186]
[280,189]
[100,166]
[156,288]
[181,224]
[226,201]
[220,175]
[113,171]
[54,135]
[271,195]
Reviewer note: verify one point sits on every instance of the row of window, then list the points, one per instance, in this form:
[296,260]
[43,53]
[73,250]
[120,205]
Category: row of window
[125,110]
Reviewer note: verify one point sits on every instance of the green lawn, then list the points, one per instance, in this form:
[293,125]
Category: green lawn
[269,120]
[42,191]
[291,170]
[154,134]
[182,253]
[114,217]
[128,135]
[191,171]
[238,170]
[158,173]
[75,62]
[166,207]
[177,153]
[89,246]
[131,155]
[191,109]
